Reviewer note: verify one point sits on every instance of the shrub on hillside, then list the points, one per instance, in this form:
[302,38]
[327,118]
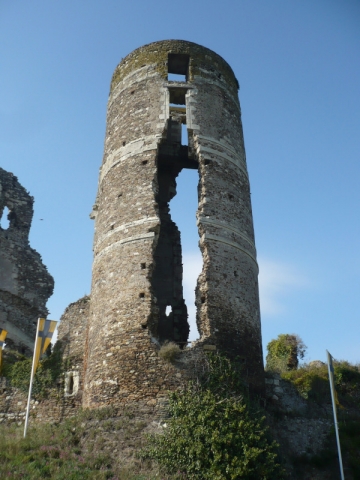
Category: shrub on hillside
[312,381]
[213,433]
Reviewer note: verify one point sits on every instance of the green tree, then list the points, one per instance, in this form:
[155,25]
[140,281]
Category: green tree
[284,353]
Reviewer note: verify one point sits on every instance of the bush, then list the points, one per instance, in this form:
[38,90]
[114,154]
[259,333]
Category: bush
[169,351]
[312,382]
[284,353]
[212,432]
[47,373]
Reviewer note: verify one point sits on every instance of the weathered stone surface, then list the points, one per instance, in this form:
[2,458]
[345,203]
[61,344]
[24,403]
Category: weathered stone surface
[72,329]
[72,335]
[137,268]
[25,284]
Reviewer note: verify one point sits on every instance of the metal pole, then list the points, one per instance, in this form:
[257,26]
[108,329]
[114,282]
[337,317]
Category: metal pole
[31,380]
[332,390]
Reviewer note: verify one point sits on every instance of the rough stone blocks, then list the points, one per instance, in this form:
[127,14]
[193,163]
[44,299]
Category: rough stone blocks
[137,301]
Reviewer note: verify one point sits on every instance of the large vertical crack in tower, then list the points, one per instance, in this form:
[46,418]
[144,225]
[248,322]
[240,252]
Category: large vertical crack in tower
[136,299]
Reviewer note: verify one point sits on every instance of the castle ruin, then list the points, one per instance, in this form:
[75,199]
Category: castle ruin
[137,266]
[25,283]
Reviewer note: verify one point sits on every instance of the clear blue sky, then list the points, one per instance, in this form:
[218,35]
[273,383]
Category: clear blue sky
[298,64]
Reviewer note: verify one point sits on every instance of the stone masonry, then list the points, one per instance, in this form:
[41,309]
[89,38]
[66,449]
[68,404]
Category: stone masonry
[72,335]
[137,301]
[25,284]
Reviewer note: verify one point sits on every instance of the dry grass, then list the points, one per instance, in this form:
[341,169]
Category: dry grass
[169,351]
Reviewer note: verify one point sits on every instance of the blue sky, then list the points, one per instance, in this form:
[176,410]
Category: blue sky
[298,65]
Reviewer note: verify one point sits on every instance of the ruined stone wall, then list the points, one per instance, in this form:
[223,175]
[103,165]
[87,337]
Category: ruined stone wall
[54,409]
[72,329]
[72,337]
[25,284]
[136,298]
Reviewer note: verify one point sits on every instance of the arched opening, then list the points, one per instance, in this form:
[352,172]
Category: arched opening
[5,221]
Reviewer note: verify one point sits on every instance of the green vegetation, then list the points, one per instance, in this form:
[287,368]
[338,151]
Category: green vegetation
[17,369]
[79,448]
[213,432]
[284,353]
[47,452]
[312,383]
[169,351]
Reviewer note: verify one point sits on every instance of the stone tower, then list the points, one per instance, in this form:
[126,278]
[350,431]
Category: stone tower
[137,267]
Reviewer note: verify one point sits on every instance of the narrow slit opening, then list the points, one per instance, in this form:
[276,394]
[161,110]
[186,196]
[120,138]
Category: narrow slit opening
[71,384]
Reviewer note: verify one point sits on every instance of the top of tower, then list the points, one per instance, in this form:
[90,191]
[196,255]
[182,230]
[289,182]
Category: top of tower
[176,56]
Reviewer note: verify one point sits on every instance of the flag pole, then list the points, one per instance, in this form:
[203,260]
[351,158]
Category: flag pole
[31,380]
[332,390]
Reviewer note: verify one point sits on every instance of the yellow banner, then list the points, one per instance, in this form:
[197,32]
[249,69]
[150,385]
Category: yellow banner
[45,332]
[2,340]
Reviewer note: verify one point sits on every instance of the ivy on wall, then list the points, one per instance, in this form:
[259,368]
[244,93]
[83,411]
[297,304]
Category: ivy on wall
[17,370]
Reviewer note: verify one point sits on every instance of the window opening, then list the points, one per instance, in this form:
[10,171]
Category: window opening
[177,114]
[71,384]
[177,96]
[5,222]
[177,104]
[178,66]
[168,310]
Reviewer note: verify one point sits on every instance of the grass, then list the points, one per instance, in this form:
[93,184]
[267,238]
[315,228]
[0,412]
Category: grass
[48,452]
[93,445]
